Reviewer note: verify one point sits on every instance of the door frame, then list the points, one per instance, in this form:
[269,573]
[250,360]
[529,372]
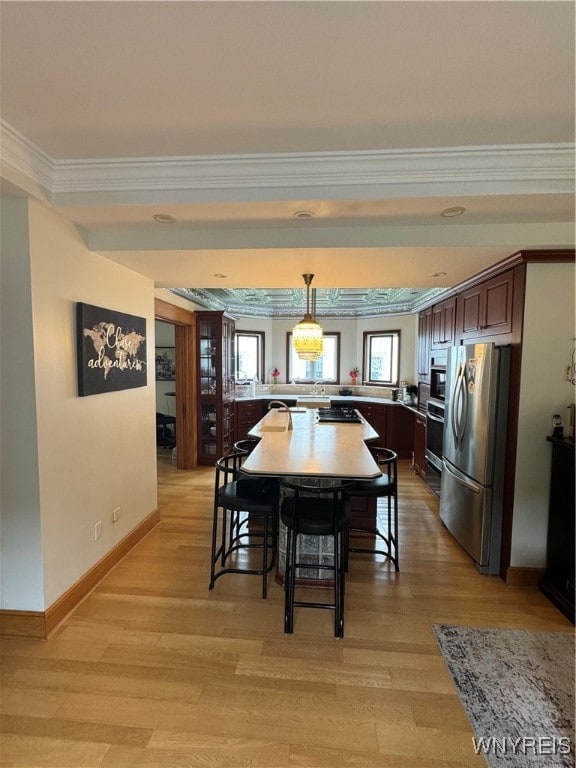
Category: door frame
[184,322]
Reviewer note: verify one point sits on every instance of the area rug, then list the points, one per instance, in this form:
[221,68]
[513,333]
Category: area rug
[517,688]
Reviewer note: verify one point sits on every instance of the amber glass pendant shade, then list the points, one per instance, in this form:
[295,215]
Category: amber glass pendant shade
[307,336]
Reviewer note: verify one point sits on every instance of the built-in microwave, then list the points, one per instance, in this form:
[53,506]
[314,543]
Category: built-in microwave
[438,382]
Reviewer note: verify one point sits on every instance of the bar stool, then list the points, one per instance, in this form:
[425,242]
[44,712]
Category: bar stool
[319,510]
[246,445]
[236,499]
[385,486]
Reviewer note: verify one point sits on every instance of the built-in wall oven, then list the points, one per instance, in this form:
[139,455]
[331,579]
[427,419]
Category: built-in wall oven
[434,438]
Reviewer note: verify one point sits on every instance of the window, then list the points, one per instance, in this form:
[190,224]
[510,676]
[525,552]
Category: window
[249,355]
[381,358]
[326,368]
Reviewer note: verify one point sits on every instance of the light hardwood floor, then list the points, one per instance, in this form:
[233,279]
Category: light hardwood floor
[153,670]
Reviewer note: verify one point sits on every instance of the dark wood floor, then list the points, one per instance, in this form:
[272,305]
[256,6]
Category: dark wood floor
[153,670]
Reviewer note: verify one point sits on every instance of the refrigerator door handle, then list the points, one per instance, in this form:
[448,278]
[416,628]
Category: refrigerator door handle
[459,406]
[469,484]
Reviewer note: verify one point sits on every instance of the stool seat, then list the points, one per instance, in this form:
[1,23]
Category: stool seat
[376,488]
[314,517]
[247,495]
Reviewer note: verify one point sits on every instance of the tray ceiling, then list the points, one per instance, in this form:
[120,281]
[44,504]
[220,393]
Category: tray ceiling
[334,302]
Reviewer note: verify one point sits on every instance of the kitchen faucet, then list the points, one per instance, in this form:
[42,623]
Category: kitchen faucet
[318,387]
[283,407]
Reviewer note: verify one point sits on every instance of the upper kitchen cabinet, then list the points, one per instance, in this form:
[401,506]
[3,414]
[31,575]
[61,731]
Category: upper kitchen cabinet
[424,342]
[487,308]
[443,324]
[216,364]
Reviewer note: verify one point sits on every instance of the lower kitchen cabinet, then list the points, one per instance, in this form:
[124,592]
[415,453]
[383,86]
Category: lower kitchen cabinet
[376,416]
[215,429]
[400,430]
[394,424]
[248,413]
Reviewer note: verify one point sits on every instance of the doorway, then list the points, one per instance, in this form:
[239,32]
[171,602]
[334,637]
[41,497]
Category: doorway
[176,396]
[165,373]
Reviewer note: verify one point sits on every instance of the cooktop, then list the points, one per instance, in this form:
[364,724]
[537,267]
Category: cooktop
[340,415]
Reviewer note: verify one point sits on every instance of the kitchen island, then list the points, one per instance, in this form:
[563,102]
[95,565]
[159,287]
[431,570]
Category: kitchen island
[318,452]
[392,420]
[311,448]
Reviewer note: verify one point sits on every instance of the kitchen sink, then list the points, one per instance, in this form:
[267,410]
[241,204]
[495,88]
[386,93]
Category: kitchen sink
[313,401]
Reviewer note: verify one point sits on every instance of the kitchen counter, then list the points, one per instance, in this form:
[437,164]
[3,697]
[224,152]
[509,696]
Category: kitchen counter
[310,448]
[334,399]
[317,451]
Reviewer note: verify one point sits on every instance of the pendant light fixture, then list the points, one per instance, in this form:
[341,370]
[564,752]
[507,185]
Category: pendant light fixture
[307,334]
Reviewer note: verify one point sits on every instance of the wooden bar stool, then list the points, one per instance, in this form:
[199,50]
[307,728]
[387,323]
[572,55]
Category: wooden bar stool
[385,486]
[238,499]
[315,510]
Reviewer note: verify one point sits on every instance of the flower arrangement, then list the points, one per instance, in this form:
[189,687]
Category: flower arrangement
[275,374]
[354,373]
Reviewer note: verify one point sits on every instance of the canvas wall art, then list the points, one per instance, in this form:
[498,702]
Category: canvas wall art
[111,350]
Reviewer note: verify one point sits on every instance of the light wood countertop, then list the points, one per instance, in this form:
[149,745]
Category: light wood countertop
[310,448]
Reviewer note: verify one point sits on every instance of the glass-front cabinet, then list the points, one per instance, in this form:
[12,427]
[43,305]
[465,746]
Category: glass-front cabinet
[216,365]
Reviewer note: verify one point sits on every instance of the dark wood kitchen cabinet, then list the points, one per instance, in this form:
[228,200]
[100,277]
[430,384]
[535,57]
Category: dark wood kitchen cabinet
[216,365]
[486,309]
[248,413]
[400,431]
[375,415]
[394,424]
[443,324]
[558,581]
[420,444]
[424,342]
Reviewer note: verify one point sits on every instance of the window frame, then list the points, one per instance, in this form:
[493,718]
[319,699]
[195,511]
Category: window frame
[260,338]
[334,334]
[366,357]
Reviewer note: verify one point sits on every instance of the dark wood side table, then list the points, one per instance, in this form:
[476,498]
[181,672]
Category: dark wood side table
[558,581]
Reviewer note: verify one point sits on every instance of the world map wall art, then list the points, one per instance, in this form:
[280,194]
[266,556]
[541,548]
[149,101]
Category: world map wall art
[111,350]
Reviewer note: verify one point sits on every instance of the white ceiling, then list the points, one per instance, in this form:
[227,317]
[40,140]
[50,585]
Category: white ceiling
[233,116]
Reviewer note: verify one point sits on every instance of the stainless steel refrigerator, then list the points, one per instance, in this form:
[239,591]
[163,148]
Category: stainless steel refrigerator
[474,449]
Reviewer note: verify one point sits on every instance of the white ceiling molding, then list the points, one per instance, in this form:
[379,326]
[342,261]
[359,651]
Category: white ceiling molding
[510,169]
[25,164]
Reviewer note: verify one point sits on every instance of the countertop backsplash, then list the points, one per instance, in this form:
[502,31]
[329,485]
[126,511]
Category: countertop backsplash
[330,390]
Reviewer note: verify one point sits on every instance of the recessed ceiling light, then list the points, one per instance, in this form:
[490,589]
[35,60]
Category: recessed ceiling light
[438,274]
[220,275]
[304,215]
[164,218]
[457,210]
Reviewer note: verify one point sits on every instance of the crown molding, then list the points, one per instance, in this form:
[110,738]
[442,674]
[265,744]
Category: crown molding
[506,169]
[23,163]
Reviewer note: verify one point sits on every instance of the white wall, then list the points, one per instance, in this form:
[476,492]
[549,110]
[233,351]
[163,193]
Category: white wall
[351,340]
[94,453]
[547,350]
[21,576]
